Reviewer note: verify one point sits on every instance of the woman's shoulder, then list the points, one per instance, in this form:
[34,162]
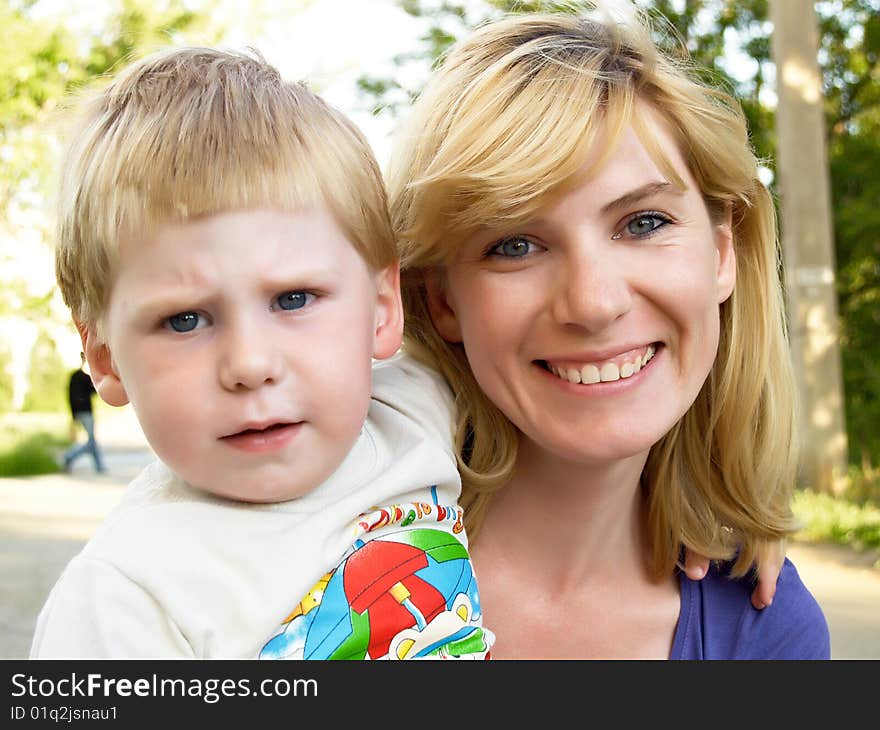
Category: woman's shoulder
[718,621]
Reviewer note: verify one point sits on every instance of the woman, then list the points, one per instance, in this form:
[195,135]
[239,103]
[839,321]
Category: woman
[590,260]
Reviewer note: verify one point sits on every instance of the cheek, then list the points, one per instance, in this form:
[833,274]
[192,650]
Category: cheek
[491,316]
[340,399]
[496,330]
[169,403]
[704,336]
[486,333]
[334,374]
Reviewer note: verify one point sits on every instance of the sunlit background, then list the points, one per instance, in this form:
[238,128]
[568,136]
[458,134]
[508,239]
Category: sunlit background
[328,43]
[369,58]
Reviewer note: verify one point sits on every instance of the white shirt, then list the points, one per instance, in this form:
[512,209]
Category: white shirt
[176,572]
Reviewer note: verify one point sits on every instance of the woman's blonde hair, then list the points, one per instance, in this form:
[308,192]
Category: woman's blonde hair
[189,132]
[506,122]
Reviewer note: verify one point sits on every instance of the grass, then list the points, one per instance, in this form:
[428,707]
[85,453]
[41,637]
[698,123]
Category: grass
[852,519]
[30,442]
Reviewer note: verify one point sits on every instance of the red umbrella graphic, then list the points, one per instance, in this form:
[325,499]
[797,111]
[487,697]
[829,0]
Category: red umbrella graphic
[381,575]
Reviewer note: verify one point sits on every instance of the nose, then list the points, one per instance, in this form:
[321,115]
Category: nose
[249,357]
[593,289]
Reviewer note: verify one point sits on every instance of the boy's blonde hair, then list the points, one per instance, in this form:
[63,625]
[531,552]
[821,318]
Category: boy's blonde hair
[189,132]
[504,124]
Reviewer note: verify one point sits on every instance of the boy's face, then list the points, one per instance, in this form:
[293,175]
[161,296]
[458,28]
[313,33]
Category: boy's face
[244,340]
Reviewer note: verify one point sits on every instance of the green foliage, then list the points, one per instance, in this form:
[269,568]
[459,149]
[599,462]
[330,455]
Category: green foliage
[852,518]
[32,455]
[47,388]
[30,443]
[5,381]
[45,63]
[834,519]
[855,184]
[863,486]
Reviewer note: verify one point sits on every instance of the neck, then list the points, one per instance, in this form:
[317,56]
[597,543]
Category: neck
[594,514]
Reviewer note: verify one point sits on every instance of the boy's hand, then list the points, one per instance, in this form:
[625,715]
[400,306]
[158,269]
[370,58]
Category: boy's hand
[768,566]
[695,565]
[769,563]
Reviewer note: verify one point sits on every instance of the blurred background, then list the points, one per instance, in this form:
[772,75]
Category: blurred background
[806,74]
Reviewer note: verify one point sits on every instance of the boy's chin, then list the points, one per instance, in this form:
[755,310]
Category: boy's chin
[255,493]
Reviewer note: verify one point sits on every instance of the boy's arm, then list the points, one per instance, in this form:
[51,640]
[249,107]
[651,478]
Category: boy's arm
[94,611]
[405,587]
[419,393]
[405,590]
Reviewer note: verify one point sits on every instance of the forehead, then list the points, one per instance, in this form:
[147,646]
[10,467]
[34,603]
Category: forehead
[240,241]
[643,145]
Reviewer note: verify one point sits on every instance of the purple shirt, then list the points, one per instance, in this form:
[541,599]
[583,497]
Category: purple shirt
[718,621]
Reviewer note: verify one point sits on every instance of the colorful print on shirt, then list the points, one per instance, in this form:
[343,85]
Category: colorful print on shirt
[402,595]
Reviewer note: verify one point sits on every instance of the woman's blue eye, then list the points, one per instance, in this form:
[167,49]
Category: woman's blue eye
[515,247]
[294,299]
[184,321]
[645,223]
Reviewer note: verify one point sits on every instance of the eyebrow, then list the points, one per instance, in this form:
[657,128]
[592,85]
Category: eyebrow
[639,194]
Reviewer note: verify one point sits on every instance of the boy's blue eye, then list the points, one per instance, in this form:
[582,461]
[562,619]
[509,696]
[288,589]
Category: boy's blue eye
[294,299]
[184,321]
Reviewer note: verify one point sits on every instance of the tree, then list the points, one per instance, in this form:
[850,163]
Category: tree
[809,245]
[43,65]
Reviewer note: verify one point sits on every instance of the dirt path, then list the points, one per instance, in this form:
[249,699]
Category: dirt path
[847,586]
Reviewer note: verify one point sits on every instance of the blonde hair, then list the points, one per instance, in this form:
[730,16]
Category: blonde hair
[505,123]
[189,132]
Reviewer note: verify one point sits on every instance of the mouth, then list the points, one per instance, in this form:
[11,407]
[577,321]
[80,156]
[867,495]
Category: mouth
[260,438]
[619,367]
[260,429]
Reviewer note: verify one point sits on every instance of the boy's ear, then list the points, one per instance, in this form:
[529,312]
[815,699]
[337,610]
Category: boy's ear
[442,314]
[389,313]
[101,367]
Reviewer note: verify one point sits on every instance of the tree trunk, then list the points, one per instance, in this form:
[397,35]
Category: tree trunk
[808,247]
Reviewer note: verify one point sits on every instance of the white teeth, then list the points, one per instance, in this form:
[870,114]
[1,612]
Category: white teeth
[590,374]
[609,372]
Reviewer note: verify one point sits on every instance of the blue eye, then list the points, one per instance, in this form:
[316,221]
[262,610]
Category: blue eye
[513,247]
[644,224]
[294,299]
[184,321]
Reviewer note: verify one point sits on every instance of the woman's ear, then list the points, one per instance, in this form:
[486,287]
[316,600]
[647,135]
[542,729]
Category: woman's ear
[725,269]
[389,313]
[442,313]
[102,369]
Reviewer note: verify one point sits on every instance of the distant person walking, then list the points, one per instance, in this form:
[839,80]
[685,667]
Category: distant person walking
[80,391]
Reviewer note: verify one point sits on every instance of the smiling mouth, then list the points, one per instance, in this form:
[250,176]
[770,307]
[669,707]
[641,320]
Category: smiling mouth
[604,371]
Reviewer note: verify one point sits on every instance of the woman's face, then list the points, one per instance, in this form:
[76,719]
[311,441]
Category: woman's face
[594,326]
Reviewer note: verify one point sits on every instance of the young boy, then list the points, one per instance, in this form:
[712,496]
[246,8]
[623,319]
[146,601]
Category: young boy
[226,253]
